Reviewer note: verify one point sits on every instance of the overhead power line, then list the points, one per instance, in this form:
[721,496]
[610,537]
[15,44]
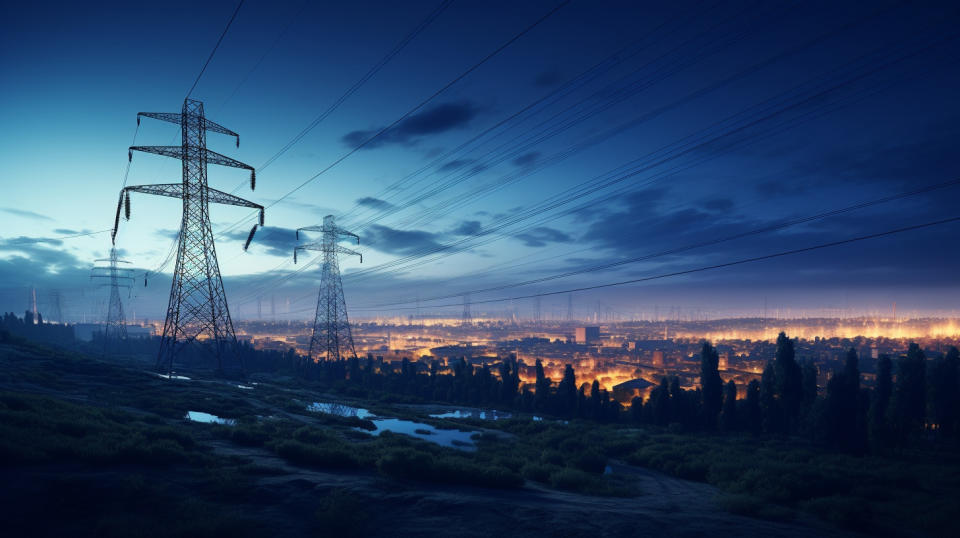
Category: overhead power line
[713,241]
[413,110]
[215,47]
[695,270]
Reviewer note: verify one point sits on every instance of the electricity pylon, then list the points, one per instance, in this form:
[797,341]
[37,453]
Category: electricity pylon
[197,309]
[120,277]
[331,329]
[466,320]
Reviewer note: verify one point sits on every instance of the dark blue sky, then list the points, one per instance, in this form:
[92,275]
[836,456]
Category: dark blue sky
[632,129]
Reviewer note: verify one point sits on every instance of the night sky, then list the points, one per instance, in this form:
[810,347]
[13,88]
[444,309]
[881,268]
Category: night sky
[610,131]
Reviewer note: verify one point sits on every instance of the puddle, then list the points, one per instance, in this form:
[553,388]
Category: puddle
[474,413]
[171,376]
[200,416]
[340,410]
[450,438]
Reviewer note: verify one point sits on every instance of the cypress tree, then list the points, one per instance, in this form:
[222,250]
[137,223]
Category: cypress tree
[711,386]
[728,420]
[769,406]
[789,384]
[910,392]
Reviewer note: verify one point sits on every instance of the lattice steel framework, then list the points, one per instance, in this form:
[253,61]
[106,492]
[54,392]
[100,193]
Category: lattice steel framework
[120,277]
[332,338]
[197,309]
[466,319]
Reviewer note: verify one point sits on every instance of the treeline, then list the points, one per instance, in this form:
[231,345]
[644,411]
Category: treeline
[914,398]
[36,329]
[922,403]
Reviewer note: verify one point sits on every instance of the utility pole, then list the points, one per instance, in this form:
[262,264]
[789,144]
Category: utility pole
[332,337]
[197,309]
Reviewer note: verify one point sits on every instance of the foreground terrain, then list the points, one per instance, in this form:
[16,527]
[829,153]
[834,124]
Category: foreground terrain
[93,446]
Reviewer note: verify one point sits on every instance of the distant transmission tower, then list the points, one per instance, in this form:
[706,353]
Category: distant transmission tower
[197,309]
[56,307]
[467,319]
[536,311]
[120,277]
[331,329]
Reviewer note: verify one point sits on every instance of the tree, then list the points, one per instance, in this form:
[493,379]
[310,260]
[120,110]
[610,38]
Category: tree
[728,419]
[789,384]
[769,406]
[711,386]
[542,395]
[567,392]
[879,415]
[753,418]
[945,393]
[910,392]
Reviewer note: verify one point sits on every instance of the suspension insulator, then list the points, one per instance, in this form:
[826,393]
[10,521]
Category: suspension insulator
[250,237]
[294,256]
[129,155]
[126,206]
[361,258]
[238,141]
[298,235]
[138,121]
[261,217]
[145,280]
[253,180]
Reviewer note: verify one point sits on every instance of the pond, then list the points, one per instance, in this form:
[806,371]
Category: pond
[450,438]
[481,414]
[339,409]
[200,416]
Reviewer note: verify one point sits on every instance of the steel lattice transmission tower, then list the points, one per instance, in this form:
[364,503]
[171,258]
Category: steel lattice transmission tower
[466,319]
[197,309]
[120,277]
[332,337]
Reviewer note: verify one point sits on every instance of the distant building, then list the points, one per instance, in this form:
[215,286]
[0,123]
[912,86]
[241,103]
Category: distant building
[658,359]
[626,391]
[587,335]
[724,363]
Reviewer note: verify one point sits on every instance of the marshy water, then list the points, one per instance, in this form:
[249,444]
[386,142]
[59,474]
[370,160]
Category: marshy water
[450,438]
[200,416]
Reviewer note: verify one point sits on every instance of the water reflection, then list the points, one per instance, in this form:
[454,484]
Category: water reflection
[450,438]
[339,409]
[200,416]
[481,414]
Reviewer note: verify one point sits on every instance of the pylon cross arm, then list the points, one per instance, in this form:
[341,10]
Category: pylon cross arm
[177,118]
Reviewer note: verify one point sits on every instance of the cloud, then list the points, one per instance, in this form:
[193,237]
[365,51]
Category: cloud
[271,240]
[400,242]
[527,159]
[539,237]
[24,213]
[467,227]
[438,119]
[374,203]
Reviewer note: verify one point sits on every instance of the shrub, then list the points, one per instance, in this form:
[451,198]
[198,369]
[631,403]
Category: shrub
[570,479]
[332,457]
